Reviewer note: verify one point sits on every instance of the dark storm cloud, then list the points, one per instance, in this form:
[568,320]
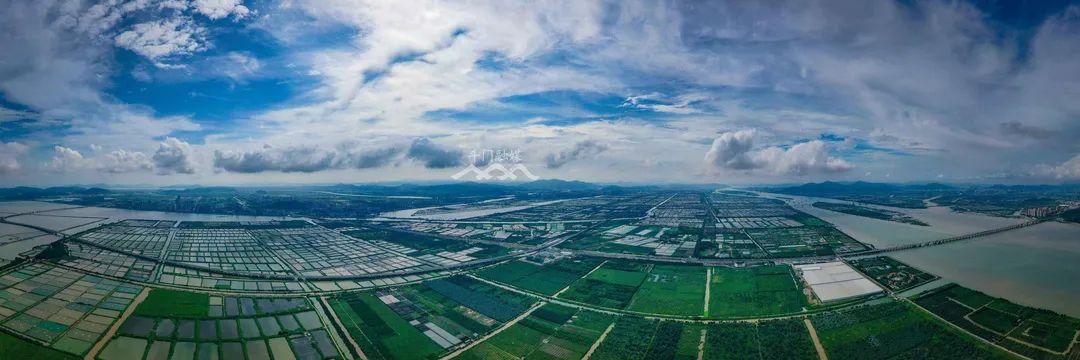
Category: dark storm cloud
[1015,128]
[373,158]
[581,150]
[306,159]
[299,159]
[434,156]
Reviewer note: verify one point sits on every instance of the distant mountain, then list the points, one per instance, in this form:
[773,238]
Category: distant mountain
[1036,188]
[463,189]
[472,189]
[859,187]
[830,187]
[201,190]
[29,193]
[559,185]
[930,186]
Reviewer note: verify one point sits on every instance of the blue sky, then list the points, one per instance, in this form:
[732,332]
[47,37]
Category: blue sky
[246,92]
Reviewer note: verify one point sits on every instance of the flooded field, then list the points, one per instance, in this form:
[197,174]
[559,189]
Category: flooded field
[11,233]
[16,239]
[19,207]
[56,223]
[121,214]
[9,251]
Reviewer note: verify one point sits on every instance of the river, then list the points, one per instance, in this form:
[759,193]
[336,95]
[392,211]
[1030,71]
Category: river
[1035,266]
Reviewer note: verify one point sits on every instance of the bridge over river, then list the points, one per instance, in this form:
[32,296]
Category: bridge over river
[948,240]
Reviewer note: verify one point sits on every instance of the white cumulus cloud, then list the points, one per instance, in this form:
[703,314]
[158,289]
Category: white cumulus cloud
[217,9]
[735,151]
[122,161]
[174,156]
[1068,170]
[9,156]
[161,39]
[66,159]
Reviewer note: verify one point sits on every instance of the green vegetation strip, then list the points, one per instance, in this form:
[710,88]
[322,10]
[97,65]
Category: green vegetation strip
[381,333]
[12,347]
[1031,332]
[174,304]
[895,330]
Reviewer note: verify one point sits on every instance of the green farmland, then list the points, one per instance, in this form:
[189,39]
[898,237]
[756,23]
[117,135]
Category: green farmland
[612,285]
[674,290]
[1027,331]
[776,339]
[381,333]
[758,291]
[638,338]
[174,303]
[546,279]
[643,287]
[550,332]
[891,273]
[895,330]
[15,348]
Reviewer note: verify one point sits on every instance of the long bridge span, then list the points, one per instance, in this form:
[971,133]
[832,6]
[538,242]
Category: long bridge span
[948,239]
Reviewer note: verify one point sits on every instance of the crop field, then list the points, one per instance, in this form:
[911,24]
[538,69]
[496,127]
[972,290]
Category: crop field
[424,321]
[250,248]
[60,308]
[785,339]
[774,339]
[1028,331]
[894,330]
[223,249]
[381,333]
[210,281]
[689,341]
[550,332]
[804,241]
[762,290]
[109,263]
[143,240]
[174,303]
[431,237]
[423,245]
[485,299]
[206,327]
[737,206]
[15,348]
[605,232]
[612,285]
[639,338]
[662,238]
[592,208]
[671,289]
[546,279]
[891,273]
[629,339]
[729,244]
